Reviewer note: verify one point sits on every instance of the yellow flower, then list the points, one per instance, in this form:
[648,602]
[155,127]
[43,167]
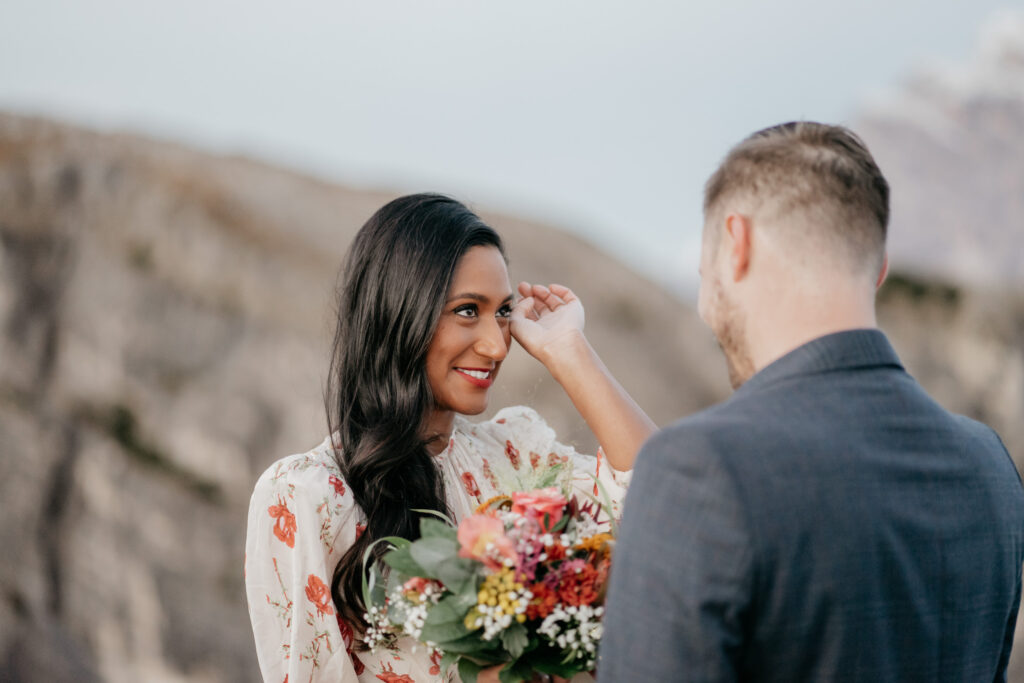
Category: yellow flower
[595,543]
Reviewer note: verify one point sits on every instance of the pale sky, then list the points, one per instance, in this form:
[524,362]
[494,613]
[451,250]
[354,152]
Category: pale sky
[600,117]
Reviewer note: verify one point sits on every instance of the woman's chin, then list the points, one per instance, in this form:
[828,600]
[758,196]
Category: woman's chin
[472,407]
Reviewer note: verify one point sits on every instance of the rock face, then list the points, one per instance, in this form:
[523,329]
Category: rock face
[165,324]
[165,317]
[951,143]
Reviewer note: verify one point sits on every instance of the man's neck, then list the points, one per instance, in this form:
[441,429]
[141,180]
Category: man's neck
[785,327]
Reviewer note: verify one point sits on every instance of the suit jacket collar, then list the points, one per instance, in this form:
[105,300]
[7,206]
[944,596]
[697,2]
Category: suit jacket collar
[837,351]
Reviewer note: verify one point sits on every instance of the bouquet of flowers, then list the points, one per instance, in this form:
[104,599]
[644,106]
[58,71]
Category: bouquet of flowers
[520,582]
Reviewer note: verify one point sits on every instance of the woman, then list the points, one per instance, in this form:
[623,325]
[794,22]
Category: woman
[426,317]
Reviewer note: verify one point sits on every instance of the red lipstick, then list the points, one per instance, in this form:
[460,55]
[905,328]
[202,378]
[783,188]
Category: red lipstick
[482,382]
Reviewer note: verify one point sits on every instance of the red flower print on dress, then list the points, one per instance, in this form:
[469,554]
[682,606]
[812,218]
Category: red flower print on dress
[360,528]
[512,453]
[435,663]
[284,526]
[534,460]
[319,595]
[348,637]
[469,481]
[555,459]
[388,675]
[338,484]
[489,473]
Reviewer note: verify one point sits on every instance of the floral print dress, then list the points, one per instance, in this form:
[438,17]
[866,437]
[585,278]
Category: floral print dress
[303,517]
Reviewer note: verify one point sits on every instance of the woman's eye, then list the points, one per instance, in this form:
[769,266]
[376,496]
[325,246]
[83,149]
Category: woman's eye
[466,311]
[505,311]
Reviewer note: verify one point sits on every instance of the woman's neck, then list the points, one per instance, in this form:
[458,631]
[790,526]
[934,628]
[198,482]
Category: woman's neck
[438,430]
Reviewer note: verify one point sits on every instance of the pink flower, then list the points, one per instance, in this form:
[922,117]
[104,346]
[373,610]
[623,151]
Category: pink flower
[540,503]
[483,538]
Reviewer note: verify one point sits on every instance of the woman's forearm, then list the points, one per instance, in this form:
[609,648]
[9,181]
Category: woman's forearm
[619,424]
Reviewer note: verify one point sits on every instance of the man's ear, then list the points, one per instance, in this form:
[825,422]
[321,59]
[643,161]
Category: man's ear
[737,240]
[884,271]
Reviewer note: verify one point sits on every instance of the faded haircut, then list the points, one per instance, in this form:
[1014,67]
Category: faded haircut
[819,179]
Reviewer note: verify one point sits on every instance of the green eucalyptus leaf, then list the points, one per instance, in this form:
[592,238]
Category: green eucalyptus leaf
[401,560]
[432,553]
[440,515]
[458,573]
[448,659]
[468,670]
[516,672]
[515,639]
[433,528]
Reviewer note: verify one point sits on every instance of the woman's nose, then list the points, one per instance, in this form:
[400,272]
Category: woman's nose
[493,340]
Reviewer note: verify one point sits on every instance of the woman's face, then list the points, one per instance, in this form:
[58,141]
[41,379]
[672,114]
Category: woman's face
[473,335]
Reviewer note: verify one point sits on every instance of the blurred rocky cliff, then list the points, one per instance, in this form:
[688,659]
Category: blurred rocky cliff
[164,319]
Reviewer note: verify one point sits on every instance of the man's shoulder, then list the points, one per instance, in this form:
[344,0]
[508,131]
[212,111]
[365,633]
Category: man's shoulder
[713,432]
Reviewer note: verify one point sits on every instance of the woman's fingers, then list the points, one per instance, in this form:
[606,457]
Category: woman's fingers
[525,309]
[550,297]
[564,293]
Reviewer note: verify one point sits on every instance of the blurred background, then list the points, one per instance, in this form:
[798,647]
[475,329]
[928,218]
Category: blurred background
[179,182]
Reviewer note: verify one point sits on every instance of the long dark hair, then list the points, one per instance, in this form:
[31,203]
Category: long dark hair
[392,290]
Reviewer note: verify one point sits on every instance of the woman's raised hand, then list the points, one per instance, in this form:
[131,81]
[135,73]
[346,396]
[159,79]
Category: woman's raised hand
[548,323]
[547,320]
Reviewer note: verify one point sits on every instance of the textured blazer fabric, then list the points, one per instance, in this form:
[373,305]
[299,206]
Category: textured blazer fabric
[829,522]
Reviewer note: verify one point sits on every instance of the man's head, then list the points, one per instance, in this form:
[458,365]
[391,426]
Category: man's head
[796,211]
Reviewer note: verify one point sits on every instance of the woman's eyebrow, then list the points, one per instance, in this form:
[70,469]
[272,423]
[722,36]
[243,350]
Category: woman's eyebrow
[477,297]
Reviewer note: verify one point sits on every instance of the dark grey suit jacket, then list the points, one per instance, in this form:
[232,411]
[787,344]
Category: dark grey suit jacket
[829,522]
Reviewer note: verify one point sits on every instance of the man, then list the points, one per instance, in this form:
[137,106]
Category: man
[828,522]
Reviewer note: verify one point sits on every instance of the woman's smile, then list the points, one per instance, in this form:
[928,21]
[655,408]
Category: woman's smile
[473,334]
[477,376]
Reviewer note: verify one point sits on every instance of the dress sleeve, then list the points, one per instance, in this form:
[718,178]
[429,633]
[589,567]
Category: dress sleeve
[530,435]
[301,520]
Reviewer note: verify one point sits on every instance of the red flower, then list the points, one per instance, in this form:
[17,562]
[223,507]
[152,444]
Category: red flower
[543,602]
[319,595]
[470,483]
[579,588]
[513,454]
[555,551]
[284,526]
[338,484]
[544,505]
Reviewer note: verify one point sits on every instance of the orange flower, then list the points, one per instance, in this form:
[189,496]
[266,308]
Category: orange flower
[595,543]
[319,595]
[284,526]
[491,505]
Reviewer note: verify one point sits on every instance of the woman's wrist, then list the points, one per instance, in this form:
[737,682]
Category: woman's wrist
[566,354]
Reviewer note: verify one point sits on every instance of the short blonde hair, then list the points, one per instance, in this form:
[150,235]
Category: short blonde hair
[818,175]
